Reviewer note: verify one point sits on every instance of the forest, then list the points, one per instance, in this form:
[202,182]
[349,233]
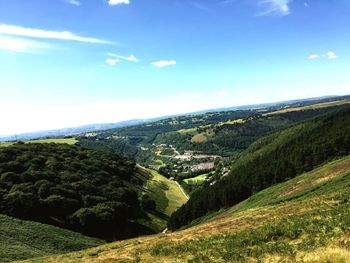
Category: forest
[272,159]
[92,192]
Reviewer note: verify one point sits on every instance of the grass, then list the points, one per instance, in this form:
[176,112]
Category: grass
[159,186]
[309,107]
[196,180]
[24,239]
[186,131]
[302,220]
[200,137]
[167,194]
[70,141]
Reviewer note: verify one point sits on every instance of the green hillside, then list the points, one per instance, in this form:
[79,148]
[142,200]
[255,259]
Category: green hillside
[25,239]
[54,140]
[271,160]
[302,220]
[91,192]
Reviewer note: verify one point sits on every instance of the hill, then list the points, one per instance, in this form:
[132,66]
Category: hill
[273,159]
[91,192]
[302,220]
[203,145]
[70,141]
[25,239]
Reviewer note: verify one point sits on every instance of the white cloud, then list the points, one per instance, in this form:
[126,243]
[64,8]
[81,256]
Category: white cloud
[163,63]
[130,58]
[46,34]
[112,61]
[331,55]
[118,2]
[74,2]
[275,7]
[313,56]
[20,45]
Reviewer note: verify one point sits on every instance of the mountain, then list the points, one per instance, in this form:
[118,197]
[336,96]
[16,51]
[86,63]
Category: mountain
[272,159]
[302,220]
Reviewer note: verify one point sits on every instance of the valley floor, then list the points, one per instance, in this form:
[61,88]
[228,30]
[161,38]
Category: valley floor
[303,220]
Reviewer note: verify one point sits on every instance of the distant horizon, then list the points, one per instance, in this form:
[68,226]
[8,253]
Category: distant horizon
[69,63]
[2,136]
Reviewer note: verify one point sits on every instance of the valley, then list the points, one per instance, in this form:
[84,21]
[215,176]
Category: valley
[304,219]
[216,187]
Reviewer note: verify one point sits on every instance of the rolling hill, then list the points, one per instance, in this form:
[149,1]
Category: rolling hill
[25,239]
[272,159]
[91,192]
[304,219]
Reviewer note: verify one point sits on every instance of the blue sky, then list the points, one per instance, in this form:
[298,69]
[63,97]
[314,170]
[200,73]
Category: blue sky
[72,62]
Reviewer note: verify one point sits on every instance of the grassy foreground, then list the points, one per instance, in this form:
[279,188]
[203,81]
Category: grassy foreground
[303,220]
[25,239]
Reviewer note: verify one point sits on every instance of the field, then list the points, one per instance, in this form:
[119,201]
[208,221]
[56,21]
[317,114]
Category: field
[159,186]
[60,140]
[25,239]
[304,219]
[167,194]
[196,180]
[314,106]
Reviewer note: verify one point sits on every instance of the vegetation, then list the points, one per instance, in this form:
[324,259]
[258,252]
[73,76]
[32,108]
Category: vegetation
[95,193]
[273,159]
[70,141]
[302,220]
[25,239]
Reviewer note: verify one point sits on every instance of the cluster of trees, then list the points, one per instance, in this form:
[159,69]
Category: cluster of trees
[92,192]
[272,159]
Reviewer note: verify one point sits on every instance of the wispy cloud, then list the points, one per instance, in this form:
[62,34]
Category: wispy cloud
[118,2]
[130,58]
[275,7]
[112,61]
[21,45]
[47,34]
[163,63]
[313,56]
[74,2]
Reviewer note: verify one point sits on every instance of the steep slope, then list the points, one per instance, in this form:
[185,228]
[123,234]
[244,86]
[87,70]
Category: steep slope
[304,219]
[25,239]
[273,159]
[91,192]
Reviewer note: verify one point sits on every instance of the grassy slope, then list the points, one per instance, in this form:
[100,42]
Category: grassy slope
[304,219]
[314,106]
[70,141]
[196,180]
[25,239]
[167,194]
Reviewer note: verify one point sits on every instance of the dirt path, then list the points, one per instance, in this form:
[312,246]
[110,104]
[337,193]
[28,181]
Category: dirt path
[182,190]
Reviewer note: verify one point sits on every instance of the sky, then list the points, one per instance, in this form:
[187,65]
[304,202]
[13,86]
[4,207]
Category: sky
[65,63]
